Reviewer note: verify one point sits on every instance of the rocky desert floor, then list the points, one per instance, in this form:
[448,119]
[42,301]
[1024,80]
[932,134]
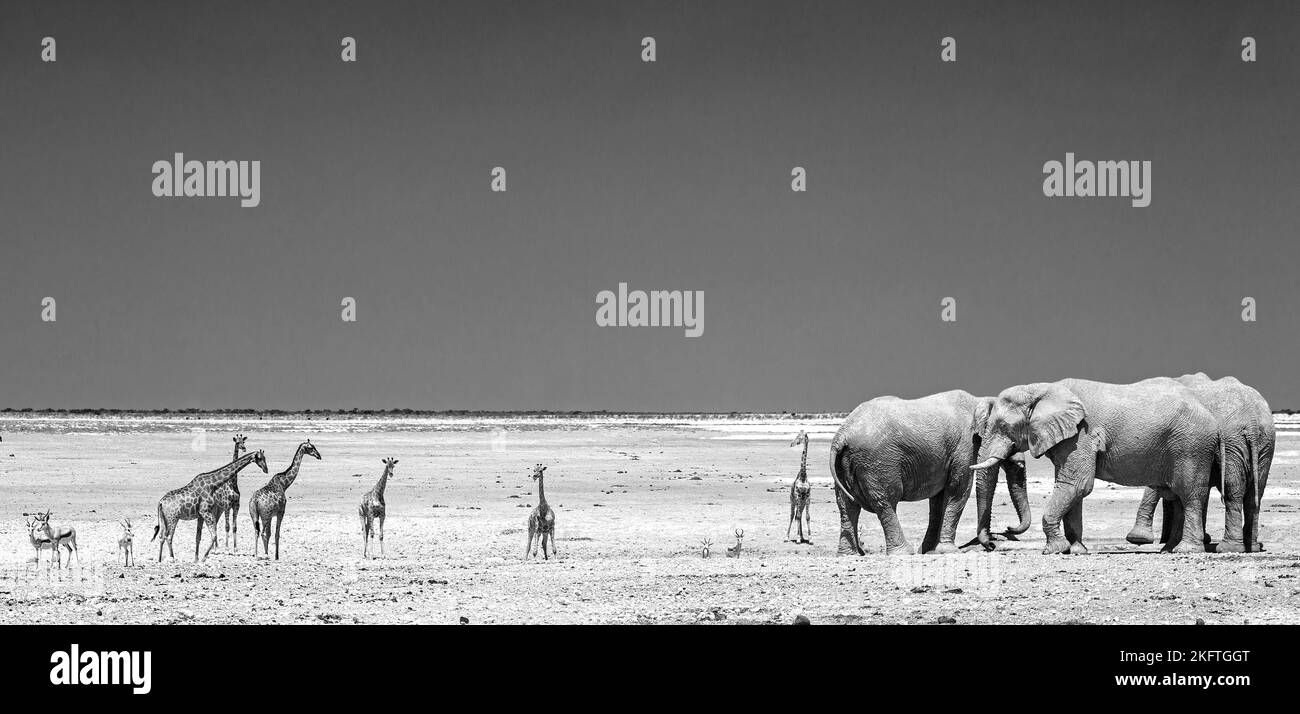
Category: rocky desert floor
[634,499]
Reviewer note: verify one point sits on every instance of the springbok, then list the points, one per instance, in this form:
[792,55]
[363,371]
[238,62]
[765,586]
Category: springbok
[126,544]
[64,536]
[705,544]
[38,540]
[735,552]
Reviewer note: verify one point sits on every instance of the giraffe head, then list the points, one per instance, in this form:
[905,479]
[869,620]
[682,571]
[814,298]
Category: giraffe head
[309,449]
[538,470]
[800,439]
[239,440]
[389,464]
[259,458]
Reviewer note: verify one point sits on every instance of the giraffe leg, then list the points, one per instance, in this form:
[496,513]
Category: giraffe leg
[528,548]
[278,520]
[198,534]
[234,525]
[807,513]
[793,513]
[365,537]
[257,530]
[382,553]
[266,535]
[171,539]
[554,551]
[212,541]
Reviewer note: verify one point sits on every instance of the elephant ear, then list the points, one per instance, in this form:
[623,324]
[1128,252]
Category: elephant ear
[1055,418]
[980,416]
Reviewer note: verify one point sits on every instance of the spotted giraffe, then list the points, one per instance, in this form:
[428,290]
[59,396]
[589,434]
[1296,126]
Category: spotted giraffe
[372,508]
[800,492]
[541,522]
[269,501]
[227,497]
[195,502]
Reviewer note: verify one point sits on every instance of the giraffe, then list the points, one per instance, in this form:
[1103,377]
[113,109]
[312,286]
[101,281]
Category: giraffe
[228,497]
[195,501]
[800,491]
[269,501]
[372,507]
[541,522]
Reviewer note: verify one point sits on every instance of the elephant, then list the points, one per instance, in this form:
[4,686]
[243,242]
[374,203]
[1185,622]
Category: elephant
[1150,433]
[1246,423]
[891,449]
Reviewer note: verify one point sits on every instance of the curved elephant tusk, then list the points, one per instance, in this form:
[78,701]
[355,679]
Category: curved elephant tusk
[987,463]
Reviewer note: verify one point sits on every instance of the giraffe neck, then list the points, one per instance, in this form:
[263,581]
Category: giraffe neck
[234,483]
[229,471]
[803,464]
[383,482]
[541,492]
[287,476]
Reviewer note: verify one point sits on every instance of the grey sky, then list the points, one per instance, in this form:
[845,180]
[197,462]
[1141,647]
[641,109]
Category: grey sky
[924,181]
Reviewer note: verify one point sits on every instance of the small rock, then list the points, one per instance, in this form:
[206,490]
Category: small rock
[464,620]
[801,620]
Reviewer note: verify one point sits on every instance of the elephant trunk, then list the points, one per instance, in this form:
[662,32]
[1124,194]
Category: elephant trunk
[986,470]
[1017,484]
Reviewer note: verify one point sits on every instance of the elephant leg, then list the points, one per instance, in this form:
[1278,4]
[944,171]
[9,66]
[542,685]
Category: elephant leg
[1192,498]
[1173,514]
[931,538]
[849,512]
[1171,518]
[1234,504]
[1141,533]
[1073,524]
[955,497]
[1075,460]
[895,542]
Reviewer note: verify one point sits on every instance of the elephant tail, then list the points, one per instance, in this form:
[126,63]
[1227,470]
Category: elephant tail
[838,472]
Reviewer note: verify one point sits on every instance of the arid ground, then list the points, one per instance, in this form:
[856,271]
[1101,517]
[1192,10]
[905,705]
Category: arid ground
[634,498]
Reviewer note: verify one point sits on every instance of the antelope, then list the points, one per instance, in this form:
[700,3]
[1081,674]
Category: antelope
[735,552]
[65,536]
[705,544]
[39,542]
[126,544]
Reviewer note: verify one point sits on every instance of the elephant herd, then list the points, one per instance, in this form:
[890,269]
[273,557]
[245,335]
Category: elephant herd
[1178,438]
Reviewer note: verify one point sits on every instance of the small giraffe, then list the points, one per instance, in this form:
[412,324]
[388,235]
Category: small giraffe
[541,522]
[372,507]
[735,552]
[63,536]
[800,491]
[270,500]
[126,544]
[195,501]
[228,497]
